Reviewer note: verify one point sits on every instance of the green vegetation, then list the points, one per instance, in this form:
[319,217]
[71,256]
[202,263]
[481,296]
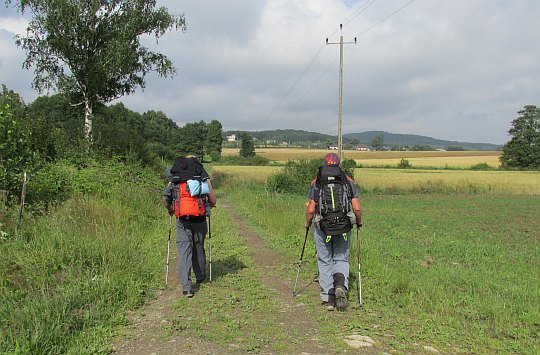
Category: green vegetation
[69,275]
[298,174]
[91,50]
[247,147]
[523,150]
[454,272]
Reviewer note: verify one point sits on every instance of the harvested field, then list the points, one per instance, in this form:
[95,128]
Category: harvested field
[437,159]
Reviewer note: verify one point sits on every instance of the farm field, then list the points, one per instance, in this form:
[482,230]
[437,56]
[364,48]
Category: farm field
[414,180]
[437,159]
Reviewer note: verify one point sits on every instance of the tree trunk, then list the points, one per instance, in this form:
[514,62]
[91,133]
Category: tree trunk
[88,116]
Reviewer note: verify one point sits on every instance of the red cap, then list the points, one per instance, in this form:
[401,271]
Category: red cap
[331,159]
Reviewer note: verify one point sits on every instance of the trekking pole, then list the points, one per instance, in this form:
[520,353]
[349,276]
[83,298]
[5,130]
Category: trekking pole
[358,259]
[168,252]
[210,240]
[300,263]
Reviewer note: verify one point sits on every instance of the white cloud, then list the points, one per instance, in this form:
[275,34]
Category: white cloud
[15,25]
[455,70]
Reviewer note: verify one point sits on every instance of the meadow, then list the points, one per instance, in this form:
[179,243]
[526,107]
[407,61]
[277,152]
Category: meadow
[455,271]
[455,268]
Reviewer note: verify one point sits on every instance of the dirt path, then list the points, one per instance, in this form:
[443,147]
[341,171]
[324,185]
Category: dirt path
[147,332]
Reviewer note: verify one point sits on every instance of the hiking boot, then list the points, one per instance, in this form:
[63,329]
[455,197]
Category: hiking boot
[329,306]
[331,303]
[187,294]
[341,298]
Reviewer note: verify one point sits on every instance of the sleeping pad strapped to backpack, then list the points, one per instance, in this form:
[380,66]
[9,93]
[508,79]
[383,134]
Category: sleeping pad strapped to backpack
[334,198]
[190,185]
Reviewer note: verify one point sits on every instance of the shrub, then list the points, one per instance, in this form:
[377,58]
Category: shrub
[482,166]
[248,161]
[348,166]
[219,178]
[404,164]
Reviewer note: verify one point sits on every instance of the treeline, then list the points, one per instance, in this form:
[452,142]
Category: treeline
[50,129]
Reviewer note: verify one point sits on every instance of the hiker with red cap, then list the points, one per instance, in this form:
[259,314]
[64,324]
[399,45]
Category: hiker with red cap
[333,207]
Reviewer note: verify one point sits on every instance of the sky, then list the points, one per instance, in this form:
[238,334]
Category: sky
[449,69]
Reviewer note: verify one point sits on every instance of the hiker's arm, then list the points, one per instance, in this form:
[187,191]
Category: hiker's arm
[310,212]
[212,195]
[357,210]
[167,199]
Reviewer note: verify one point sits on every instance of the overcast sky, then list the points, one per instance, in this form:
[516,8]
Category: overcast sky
[453,69]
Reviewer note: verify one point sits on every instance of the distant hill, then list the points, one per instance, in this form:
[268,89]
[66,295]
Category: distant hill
[314,139]
[410,140]
[292,136]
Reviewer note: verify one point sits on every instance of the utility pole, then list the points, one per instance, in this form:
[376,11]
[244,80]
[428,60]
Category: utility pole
[340,104]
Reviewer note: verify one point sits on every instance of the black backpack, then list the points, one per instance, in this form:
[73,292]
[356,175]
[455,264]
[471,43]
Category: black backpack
[333,200]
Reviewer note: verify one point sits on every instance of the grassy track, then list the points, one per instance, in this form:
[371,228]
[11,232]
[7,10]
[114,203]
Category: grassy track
[236,312]
[455,272]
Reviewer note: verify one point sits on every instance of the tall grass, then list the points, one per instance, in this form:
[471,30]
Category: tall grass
[69,275]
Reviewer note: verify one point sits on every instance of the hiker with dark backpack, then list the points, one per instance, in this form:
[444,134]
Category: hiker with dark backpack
[189,196]
[333,207]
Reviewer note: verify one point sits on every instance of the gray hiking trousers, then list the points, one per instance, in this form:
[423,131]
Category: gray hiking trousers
[190,244]
[332,258]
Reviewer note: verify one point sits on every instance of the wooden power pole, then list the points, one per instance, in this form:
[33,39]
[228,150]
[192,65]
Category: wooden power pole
[340,102]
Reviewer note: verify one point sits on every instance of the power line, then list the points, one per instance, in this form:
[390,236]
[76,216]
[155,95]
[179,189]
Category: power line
[386,18]
[347,20]
[358,12]
[293,86]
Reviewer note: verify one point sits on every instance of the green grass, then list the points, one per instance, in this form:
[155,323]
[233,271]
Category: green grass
[457,272]
[70,274]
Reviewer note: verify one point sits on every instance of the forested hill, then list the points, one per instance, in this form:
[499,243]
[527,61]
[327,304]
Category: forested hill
[391,139]
[296,137]
[292,136]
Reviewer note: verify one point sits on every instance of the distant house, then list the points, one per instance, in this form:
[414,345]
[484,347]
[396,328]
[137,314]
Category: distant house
[284,144]
[333,147]
[362,147]
[231,137]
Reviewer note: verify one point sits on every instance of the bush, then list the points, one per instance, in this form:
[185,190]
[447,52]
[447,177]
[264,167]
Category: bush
[404,164]
[248,161]
[482,166]
[219,178]
[348,166]
[56,182]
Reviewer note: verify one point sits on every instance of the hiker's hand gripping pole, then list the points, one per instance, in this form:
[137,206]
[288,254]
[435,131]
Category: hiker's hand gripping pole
[300,262]
[168,252]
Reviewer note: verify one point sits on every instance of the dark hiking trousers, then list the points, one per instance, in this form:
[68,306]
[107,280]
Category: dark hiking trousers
[190,238]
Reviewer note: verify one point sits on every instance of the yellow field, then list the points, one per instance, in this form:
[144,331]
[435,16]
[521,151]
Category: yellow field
[517,182]
[520,182]
[373,159]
